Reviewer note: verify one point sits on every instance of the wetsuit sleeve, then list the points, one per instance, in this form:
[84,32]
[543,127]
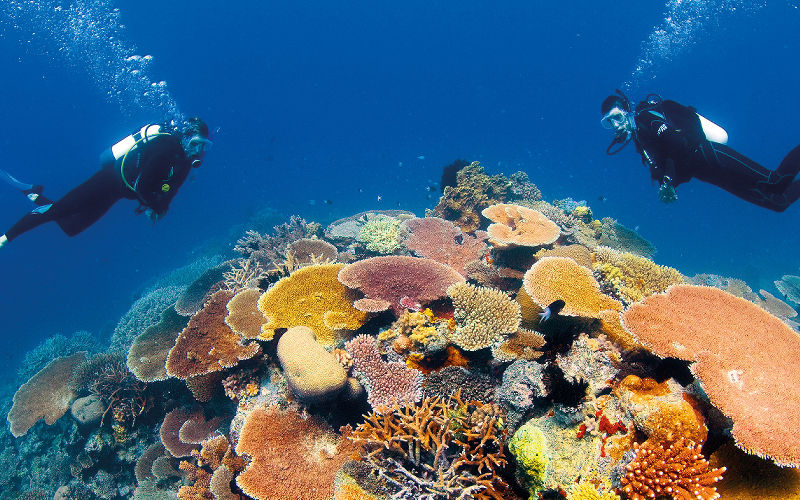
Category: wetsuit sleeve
[163,169]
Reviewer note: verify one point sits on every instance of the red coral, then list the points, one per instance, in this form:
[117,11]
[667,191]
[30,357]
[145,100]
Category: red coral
[394,277]
[443,241]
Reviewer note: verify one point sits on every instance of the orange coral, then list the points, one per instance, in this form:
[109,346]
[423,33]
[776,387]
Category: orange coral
[291,457]
[207,344]
[561,278]
[243,316]
[46,395]
[745,358]
[514,225]
[212,470]
[311,296]
[678,470]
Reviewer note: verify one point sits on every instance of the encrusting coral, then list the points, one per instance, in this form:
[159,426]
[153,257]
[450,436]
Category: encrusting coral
[484,316]
[677,470]
[744,357]
[439,448]
[313,297]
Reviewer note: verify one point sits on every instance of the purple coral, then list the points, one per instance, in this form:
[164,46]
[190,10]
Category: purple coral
[385,382]
[443,241]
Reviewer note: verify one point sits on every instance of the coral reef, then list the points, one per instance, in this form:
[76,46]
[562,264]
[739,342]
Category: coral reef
[484,316]
[196,295]
[243,316]
[385,382]
[789,286]
[380,234]
[741,372]
[144,313]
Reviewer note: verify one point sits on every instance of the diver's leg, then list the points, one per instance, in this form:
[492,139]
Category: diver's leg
[787,170]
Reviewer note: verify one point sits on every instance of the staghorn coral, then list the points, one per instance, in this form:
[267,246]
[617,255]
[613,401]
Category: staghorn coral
[46,395]
[243,316]
[243,274]
[291,457]
[147,357]
[561,278]
[632,276]
[443,241]
[207,344]
[677,470]
[439,448]
[514,225]
[474,191]
[312,297]
[745,359]
[384,381]
[484,316]
[389,279]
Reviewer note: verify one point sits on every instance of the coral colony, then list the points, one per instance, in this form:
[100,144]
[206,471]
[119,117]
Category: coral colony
[389,356]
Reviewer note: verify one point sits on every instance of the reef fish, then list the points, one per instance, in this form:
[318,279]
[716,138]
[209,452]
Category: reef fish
[552,310]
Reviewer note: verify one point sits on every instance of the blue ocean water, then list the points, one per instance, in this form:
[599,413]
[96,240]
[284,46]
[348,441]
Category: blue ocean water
[325,109]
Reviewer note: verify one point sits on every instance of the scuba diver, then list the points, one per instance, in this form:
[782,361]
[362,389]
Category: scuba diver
[148,166]
[678,144]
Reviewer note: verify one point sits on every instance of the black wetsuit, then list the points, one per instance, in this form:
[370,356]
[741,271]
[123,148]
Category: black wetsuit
[154,169]
[670,139]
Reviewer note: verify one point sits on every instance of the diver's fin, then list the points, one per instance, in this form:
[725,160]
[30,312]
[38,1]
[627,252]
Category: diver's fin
[3,240]
[13,181]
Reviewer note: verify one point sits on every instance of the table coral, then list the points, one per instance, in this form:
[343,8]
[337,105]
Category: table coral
[677,470]
[313,297]
[561,278]
[391,278]
[291,457]
[436,449]
[207,344]
[147,357]
[243,316]
[514,225]
[484,316]
[745,358]
[789,286]
[443,241]
[46,395]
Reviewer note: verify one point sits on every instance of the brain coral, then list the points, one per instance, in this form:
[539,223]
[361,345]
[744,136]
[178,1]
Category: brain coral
[391,278]
[746,360]
[313,373]
[561,278]
[514,225]
[484,316]
[313,297]
[46,395]
[207,344]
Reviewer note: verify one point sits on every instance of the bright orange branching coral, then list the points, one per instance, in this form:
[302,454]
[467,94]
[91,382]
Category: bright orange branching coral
[561,278]
[436,447]
[677,471]
[311,296]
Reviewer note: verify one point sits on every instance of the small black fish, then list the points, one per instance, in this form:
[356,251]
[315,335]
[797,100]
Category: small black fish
[552,310]
[328,202]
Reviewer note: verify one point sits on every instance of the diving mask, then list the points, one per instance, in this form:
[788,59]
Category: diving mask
[615,119]
[196,148]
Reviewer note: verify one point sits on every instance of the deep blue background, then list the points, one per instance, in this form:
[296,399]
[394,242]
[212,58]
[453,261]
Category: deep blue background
[336,100]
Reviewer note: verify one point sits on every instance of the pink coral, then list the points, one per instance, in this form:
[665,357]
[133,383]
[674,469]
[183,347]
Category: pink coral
[386,382]
[394,277]
[443,241]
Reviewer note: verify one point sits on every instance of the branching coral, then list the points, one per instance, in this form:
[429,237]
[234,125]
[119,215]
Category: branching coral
[632,276]
[441,447]
[484,316]
[385,381]
[381,235]
[212,465]
[677,470]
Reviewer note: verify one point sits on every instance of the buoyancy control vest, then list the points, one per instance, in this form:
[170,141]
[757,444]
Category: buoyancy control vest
[129,144]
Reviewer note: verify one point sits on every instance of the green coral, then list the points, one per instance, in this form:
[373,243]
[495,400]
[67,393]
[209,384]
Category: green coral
[529,447]
[381,234]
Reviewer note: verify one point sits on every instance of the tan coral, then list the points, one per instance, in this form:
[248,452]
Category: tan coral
[578,253]
[746,360]
[147,357]
[243,316]
[634,277]
[46,395]
[312,297]
[561,278]
[515,225]
[483,316]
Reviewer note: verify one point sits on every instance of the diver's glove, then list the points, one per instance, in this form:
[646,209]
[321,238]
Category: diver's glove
[666,191]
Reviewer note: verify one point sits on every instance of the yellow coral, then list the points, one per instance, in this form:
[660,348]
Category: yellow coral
[561,278]
[585,490]
[483,316]
[312,297]
[633,276]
